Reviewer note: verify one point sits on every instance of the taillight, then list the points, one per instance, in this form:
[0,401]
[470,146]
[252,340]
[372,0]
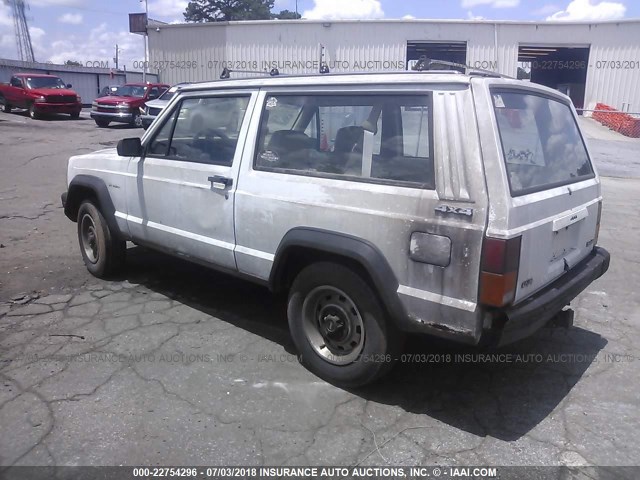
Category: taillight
[499,272]
[595,240]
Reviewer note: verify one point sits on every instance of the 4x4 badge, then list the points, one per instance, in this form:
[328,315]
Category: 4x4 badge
[467,212]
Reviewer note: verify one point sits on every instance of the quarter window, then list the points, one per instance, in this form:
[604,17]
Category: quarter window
[202,130]
[541,143]
[376,138]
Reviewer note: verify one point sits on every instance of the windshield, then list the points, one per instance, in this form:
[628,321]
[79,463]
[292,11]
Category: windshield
[45,82]
[541,142]
[132,91]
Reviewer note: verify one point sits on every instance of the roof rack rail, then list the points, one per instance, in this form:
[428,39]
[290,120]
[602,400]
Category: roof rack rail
[426,64]
[226,73]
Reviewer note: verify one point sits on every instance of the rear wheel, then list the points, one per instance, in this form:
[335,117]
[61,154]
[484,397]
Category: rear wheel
[339,326]
[75,115]
[102,123]
[103,253]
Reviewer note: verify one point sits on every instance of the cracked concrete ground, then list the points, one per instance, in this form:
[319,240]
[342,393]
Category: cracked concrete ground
[172,364]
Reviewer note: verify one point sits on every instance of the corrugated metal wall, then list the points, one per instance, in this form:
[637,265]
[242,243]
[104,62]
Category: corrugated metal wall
[365,45]
[87,82]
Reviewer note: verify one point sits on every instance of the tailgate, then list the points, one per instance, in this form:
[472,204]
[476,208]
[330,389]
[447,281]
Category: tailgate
[554,192]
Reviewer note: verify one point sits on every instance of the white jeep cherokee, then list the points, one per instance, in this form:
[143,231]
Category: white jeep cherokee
[464,206]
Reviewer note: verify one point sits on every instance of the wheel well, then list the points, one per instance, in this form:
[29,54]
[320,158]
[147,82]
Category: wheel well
[78,194]
[297,258]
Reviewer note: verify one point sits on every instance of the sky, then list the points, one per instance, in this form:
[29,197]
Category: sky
[88,30]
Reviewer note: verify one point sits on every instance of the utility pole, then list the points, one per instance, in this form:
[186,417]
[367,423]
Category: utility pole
[146,35]
[296,9]
[115,59]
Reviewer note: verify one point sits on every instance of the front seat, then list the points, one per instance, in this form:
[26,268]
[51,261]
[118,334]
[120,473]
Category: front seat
[348,149]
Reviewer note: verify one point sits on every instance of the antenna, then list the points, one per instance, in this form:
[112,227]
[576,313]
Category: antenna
[23,37]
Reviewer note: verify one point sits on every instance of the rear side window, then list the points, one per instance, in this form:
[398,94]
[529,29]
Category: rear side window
[372,138]
[541,143]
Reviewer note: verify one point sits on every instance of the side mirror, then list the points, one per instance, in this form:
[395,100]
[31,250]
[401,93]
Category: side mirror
[130,147]
[68,85]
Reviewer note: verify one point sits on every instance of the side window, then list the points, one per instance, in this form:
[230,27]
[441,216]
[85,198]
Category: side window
[154,93]
[159,146]
[202,130]
[16,82]
[376,138]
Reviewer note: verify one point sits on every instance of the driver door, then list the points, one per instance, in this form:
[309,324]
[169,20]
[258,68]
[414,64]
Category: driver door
[181,192]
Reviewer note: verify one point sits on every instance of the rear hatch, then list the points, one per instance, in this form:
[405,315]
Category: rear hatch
[554,200]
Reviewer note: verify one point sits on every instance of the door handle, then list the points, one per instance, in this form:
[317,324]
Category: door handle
[219,182]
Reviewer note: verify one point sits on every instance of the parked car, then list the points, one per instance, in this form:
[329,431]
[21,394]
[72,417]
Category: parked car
[125,106]
[40,94]
[462,206]
[109,90]
[150,110]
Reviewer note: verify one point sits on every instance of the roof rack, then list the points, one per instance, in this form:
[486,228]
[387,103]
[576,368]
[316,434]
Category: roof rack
[226,73]
[427,64]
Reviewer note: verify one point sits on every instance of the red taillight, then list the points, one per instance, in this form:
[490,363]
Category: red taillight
[499,273]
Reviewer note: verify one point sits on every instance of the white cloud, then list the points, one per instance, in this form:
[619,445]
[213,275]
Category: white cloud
[98,46]
[490,3]
[579,10]
[471,16]
[545,10]
[342,9]
[71,18]
[167,8]
[5,16]
[408,17]
[57,3]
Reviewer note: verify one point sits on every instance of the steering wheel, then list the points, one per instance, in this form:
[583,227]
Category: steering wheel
[210,133]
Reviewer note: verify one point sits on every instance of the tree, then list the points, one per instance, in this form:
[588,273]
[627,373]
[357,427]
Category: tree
[73,63]
[228,10]
[286,15]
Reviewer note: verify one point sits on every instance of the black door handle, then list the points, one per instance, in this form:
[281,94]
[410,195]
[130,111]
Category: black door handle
[220,182]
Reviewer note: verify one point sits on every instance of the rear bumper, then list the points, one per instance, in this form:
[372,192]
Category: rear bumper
[524,319]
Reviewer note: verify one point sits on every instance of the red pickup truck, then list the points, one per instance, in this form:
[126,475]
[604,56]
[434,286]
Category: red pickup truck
[40,94]
[124,105]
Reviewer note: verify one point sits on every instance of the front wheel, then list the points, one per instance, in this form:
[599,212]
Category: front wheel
[339,326]
[102,123]
[33,113]
[103,253]
[136,121]
[6,108]
[75,115]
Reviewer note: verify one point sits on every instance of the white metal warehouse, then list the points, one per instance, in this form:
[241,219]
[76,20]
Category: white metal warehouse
[591,62]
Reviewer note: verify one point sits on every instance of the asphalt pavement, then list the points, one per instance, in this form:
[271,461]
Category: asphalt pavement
[172,364]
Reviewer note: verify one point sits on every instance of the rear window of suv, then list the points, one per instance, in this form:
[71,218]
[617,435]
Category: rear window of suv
[541,142]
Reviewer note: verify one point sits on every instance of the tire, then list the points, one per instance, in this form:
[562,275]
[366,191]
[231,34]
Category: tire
[33,113]
[136,121]
[102,123]
[6,108]
[102,252]
[339,326]
[75,115]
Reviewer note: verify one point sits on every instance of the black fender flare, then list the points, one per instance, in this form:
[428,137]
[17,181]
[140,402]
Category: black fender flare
[78,189]
[356,249]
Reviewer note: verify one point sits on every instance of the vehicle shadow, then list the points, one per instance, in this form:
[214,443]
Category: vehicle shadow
[499,392]
[48,117]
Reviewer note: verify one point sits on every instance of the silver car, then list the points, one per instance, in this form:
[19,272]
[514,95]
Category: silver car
[152,109]
[383,205]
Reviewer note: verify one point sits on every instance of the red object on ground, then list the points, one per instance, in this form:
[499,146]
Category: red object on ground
[617,121]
